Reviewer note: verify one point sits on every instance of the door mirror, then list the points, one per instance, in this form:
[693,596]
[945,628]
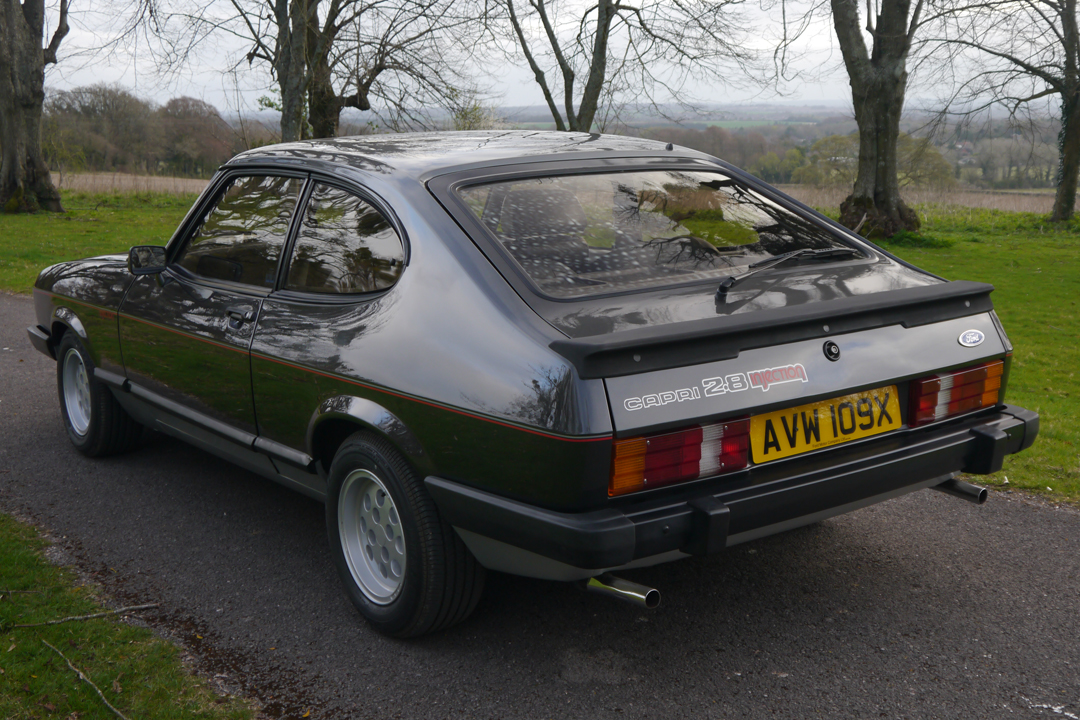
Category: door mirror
[146,259]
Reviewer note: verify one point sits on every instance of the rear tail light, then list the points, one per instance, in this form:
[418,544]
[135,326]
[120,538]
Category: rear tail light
[947,395]
[657,460]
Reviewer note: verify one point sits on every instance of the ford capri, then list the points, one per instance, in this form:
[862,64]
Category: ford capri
[558,355]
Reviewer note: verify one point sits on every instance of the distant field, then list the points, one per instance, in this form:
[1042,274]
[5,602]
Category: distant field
[736,124]
[1028,201]
[124,184]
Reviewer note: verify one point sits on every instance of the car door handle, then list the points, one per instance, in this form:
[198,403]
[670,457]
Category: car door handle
[240,315]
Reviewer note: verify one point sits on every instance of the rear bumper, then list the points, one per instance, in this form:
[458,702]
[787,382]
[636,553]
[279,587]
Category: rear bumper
[716,514]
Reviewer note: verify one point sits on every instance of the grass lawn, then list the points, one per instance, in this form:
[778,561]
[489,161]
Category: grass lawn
[92,225]
[1035,269]
[137,672]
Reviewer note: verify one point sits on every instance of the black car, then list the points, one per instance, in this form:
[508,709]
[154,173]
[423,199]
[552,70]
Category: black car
[557,355]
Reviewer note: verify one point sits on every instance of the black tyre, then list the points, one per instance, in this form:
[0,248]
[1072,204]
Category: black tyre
[403,567]
[95,422]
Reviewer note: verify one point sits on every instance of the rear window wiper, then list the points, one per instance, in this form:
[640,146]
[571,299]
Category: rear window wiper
[755,268]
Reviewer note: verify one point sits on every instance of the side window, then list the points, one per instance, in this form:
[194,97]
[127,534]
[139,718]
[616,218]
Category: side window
[241,238]
[344,246]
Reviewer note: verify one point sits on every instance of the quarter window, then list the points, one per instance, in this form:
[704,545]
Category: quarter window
[344,246]
[241,238]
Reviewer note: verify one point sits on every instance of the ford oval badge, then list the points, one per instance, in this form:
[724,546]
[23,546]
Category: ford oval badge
[971,338]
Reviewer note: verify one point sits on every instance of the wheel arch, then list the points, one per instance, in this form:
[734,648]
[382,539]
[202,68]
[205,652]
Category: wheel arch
[341,416]
[63,320]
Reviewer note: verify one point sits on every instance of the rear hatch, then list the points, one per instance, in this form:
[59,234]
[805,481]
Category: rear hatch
[698,294]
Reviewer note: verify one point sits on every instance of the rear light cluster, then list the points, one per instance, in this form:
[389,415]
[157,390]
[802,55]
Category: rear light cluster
[949,394]
[657,460]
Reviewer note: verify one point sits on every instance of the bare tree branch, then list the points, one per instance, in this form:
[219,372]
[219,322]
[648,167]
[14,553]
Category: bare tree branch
[88,681]
[62,29]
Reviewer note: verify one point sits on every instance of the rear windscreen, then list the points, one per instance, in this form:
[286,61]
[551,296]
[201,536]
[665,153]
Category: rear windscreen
[579,235]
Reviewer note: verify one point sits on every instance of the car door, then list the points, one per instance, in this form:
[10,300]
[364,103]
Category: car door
[186,333]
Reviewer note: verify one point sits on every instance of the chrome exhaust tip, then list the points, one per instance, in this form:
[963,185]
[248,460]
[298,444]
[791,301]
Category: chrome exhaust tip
[624,590]
[963,490]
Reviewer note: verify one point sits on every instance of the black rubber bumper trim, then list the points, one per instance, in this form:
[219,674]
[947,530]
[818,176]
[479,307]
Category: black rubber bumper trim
[700,523]
[40,338]
[602,538]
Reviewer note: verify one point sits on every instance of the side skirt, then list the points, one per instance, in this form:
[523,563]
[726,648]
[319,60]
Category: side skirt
[191,431]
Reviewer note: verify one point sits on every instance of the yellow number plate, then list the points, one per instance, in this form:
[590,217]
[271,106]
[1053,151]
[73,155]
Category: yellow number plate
[818,425]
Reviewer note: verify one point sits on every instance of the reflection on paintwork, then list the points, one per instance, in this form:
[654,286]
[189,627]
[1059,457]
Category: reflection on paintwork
[384,154]
[340,341]
[177,341]
[548,401]
[373,414]
[760,292]
[307,355]
[90,291]
[296,346]
[99,281]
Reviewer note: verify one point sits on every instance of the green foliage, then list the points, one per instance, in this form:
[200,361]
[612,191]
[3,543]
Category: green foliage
[920,164]
[140,674]
[107,128]
[473,115]
[771,168]
[265,102]
[834,161]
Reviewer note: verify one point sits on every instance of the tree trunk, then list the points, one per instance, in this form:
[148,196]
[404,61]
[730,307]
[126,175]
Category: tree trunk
[291,67]
[25,185]
[594,86]
[878,100]
[878,82]
[1068,160]
[324,108]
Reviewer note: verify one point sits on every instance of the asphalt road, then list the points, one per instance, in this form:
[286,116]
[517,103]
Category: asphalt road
[922,607]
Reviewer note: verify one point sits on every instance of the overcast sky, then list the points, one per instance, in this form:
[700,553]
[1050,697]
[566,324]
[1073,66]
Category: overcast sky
[822,78]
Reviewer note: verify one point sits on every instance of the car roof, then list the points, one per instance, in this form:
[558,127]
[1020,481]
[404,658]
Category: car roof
[423,155]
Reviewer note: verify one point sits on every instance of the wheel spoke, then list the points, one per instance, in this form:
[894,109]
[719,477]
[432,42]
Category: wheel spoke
[371,536]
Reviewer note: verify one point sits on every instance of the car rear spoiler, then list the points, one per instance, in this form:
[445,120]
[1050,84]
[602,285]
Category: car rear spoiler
[723,338]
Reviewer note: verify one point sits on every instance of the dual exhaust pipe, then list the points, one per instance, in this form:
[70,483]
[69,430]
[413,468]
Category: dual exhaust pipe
[647,597]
